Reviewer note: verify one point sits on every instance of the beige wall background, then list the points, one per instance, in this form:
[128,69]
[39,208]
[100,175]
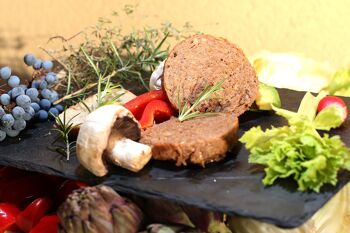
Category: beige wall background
[315,28]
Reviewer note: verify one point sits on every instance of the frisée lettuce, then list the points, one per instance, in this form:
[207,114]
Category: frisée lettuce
[298,150]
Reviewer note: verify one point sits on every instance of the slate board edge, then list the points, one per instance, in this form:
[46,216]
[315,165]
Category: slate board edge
[296,222]
[35,168]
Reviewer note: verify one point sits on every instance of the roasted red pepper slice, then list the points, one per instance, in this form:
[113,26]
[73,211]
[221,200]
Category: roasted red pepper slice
[67,188]
[47,224]
[29,217]
[156,110]
[8,215]
[137,105]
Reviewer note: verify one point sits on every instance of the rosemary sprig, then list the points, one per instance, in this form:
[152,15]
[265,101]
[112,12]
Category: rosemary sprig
[88,108]
[64,127]
[187,112]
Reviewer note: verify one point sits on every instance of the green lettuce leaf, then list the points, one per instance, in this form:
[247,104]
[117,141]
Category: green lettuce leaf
[289,115]
[299,152]
[306,111]
[328,118]
[309,103]
[283,70]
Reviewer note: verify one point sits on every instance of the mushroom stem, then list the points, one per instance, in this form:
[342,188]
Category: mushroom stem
[129,154]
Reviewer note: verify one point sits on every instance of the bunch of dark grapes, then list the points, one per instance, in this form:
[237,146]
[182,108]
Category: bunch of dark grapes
[24,103]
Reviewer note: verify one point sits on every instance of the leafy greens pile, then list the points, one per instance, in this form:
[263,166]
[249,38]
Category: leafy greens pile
[298,150]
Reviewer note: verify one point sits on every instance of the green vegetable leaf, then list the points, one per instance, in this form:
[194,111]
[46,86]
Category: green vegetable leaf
[347,164]
[299,152]
[328,118]
[289,115]
[309,103]
[312,167]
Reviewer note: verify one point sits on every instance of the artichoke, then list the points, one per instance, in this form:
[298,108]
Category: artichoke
[98,209]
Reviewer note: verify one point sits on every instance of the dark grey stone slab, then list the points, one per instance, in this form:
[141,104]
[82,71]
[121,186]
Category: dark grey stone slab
[229,186]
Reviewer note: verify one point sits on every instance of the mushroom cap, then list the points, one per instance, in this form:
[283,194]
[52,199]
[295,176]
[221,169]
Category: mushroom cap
[77,114]
[105,123]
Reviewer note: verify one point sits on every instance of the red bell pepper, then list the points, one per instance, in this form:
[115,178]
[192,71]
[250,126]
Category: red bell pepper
[47,224]
[156,110]
[137,105]
[8,215]
[24,190]
[31,215]
[67,188]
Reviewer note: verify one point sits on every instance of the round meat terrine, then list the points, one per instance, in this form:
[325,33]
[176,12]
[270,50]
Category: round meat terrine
[203,60]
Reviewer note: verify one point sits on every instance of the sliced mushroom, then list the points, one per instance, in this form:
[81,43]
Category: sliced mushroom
[111,131]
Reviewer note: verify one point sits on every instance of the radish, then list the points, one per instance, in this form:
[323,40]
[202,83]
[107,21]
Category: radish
[333,101]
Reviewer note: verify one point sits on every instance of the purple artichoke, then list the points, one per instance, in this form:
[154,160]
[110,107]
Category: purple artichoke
[98,210]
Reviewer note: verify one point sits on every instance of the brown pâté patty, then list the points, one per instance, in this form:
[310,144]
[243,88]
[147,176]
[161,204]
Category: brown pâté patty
[206,60]
[197,141]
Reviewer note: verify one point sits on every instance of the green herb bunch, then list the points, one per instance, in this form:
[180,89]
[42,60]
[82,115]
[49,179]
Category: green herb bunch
[108,60]
[127,58]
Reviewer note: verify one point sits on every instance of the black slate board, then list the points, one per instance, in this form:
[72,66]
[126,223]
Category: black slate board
[229,186]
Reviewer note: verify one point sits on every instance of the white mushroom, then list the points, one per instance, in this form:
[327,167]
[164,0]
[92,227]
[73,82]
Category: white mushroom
[155,82]
[77,114]
[111,131]
[129,154]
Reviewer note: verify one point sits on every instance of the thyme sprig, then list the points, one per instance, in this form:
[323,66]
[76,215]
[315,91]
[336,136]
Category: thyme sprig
[187,111]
